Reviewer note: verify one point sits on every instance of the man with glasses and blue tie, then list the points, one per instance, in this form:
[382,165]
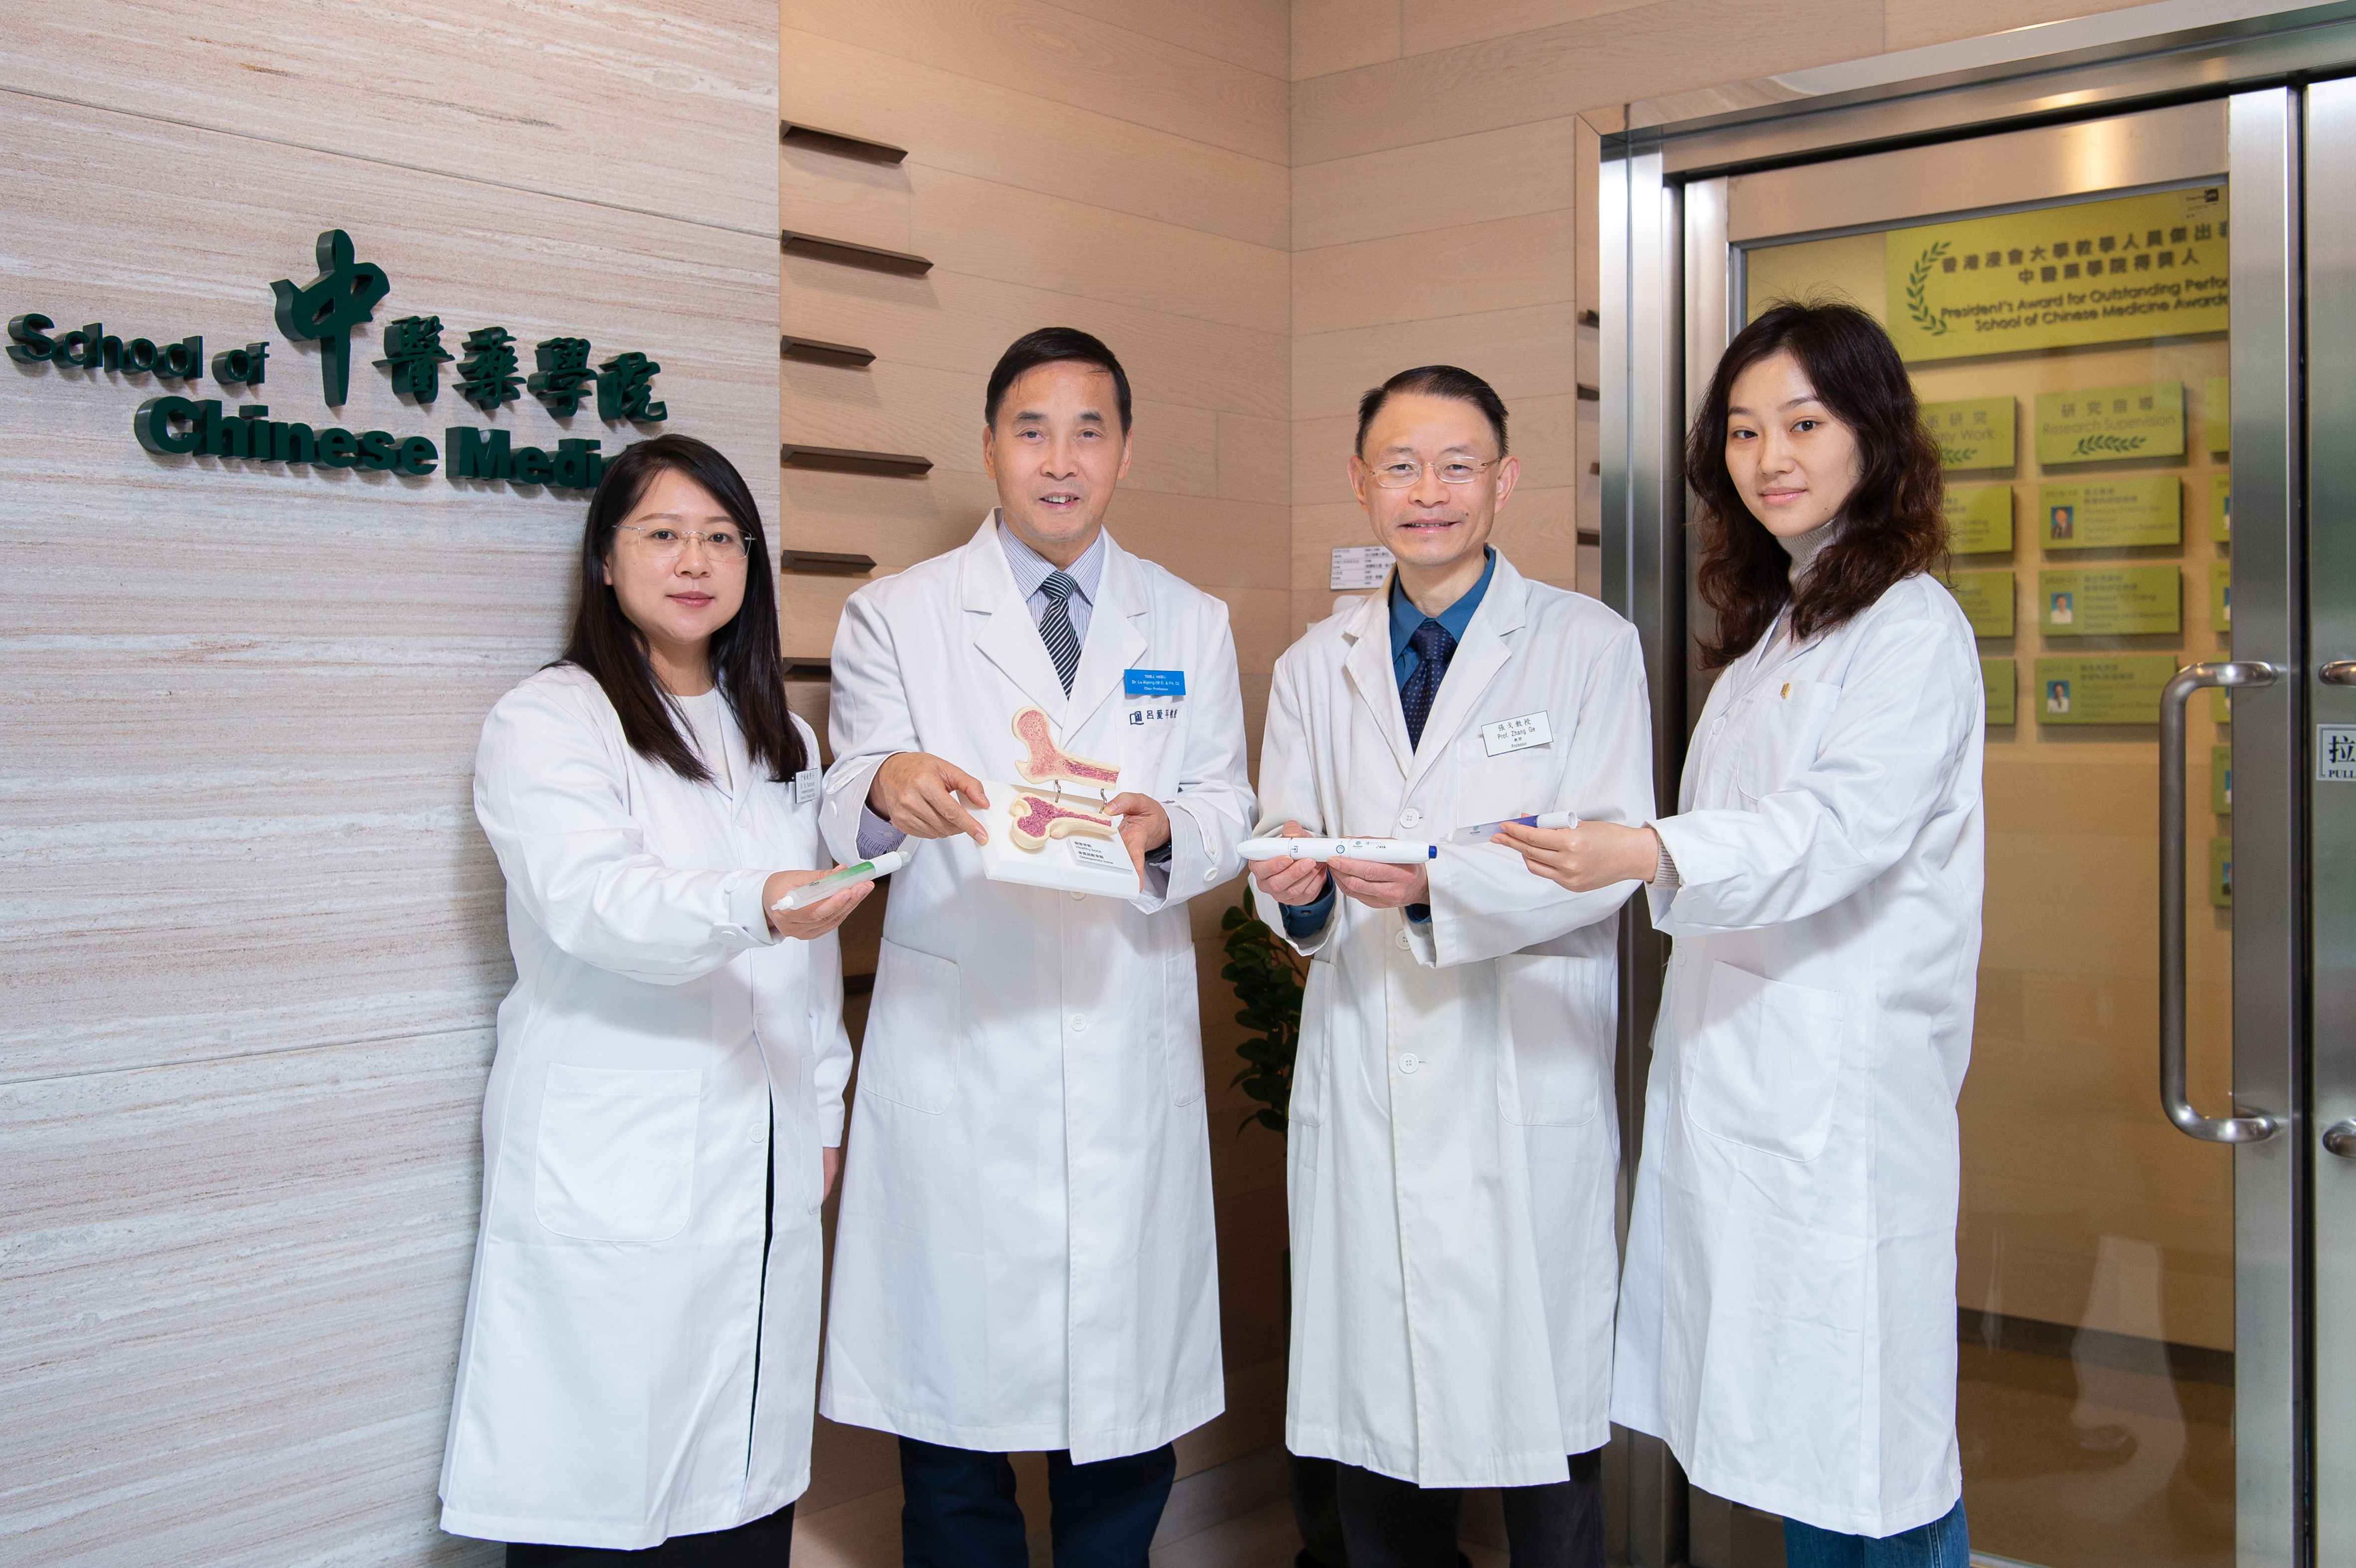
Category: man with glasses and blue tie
[1454,1141]
[1024,1260]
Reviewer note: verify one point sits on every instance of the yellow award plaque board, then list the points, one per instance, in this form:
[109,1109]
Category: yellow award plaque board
[2102,688]
[1972,433]
[2111,514]
[2217,414]
[1986,599]
[2221,594]
[2000,683]
[2103,424]
[1979,518]
[2095,271]
[2221,505]
[2111,602]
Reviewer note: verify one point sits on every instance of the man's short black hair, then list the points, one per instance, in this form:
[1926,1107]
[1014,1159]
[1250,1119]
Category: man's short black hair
[1052,346]
[1435,382]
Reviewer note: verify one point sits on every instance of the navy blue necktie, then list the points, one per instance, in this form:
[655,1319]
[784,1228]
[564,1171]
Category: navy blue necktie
[1433,648]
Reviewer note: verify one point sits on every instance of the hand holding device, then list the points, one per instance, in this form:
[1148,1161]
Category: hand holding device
[1287,880]
[840,878]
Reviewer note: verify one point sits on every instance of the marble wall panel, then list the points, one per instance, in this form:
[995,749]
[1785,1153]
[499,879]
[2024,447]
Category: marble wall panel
[665,106]
[250,936]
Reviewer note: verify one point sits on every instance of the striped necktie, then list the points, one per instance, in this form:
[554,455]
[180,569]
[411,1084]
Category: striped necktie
[1056,627]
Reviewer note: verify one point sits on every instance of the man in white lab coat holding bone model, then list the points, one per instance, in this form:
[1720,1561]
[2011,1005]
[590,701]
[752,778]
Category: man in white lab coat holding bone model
[1024,1256]
[1453,1135]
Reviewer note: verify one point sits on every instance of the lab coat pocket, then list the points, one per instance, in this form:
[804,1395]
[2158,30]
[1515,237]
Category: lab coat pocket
[914,1025]
[1781,733]
[1763,1068]
[1559,1057]
[1488,788]
[615,1156]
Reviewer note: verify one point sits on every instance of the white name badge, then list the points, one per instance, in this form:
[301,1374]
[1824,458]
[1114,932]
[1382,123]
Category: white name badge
[1516,734]
[804,787]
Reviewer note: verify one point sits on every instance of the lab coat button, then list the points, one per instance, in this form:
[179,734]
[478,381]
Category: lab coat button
[1210,873]
[1079,1023]
[1404,941]
[1077,895]
[1410,1062]
[1410,818]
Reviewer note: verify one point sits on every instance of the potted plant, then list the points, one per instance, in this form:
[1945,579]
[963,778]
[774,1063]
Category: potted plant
[1269,978]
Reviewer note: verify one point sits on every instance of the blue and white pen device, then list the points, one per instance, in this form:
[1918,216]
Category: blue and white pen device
[1482,832]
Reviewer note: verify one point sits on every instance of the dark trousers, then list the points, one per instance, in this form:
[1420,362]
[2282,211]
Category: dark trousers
[959,1507]
[756,1543]
[1391,1524]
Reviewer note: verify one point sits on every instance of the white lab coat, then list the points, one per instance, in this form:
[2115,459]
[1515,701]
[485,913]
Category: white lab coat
[658,1049]
[1454,1147]
[1024,1256]
[1787,1318]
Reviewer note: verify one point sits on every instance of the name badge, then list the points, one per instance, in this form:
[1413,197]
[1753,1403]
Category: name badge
[1154,682]
[1153,694]
[804,787]
[1516,734]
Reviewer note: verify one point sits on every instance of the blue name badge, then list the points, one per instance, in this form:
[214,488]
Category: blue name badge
[1154,682]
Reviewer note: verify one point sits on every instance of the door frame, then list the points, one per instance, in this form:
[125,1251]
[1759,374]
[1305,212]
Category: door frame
[1667,308]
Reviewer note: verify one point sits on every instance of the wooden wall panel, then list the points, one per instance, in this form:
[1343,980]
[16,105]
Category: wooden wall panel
[1015,137]
[1914,23]
[1552,71]
[1066,58]
[252,938]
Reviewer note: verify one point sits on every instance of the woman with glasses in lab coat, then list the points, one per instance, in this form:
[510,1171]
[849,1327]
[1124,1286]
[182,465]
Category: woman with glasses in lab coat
[665,1108]
[1787,1317]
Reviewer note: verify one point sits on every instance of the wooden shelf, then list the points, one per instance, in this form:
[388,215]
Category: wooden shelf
[843,253]
[824,563]
[806,668]
[1587,394]
[847,460]
[816,351]
[841,143]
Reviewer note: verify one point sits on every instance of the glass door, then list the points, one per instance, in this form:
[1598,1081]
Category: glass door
[2098,318]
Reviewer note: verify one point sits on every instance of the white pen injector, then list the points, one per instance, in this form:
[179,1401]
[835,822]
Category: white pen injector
[1482,832]
[1383,851]
[842,877]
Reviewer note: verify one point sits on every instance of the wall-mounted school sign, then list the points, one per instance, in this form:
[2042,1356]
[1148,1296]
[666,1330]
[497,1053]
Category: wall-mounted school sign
[487,375]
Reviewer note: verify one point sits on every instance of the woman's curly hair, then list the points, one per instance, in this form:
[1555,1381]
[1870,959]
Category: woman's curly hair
[1893,526]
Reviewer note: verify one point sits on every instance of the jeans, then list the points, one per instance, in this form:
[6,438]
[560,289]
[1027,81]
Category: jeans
[959,1511]
[1390,1523]
[1941,1543]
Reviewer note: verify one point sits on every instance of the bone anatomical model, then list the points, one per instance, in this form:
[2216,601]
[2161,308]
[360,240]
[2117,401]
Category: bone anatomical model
[1032,819]
[1043,762]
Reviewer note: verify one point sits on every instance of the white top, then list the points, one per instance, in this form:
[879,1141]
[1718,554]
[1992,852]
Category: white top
[707,725]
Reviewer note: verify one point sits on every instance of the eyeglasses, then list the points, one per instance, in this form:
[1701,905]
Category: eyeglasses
[726,547]
[1403,472]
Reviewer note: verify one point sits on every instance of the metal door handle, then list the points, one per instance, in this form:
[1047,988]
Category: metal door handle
[2174,1097]
[2339,1138]
[2339,672]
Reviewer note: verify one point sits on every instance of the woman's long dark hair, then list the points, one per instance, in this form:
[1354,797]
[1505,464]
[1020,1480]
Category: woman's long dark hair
[745,657]
[1893,526]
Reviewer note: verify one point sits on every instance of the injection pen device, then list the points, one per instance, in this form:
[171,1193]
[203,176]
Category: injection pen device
[1385,851]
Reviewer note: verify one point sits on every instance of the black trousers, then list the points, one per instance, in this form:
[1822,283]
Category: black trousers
[959,1511]
[1389,1523]
[756,1543]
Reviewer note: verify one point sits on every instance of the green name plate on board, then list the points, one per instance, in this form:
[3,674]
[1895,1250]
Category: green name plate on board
[2000,682]
[1979,518]
[2102,688]
[2221,505]
[1972,433]
[2103,424]
[2220,871]
[2220,595]
[2217,414]
[2220,781]
[1986,600]
[2221,705]
[2111,514]
[2110,601]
